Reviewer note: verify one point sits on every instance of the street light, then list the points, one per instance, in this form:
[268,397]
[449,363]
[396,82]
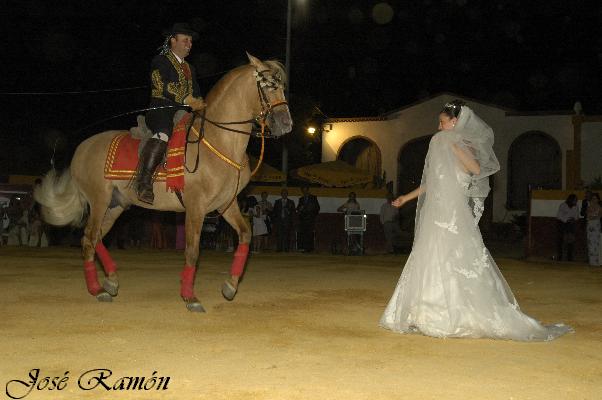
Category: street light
[287,66]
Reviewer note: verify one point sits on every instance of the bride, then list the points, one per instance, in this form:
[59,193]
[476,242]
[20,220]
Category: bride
[450,285]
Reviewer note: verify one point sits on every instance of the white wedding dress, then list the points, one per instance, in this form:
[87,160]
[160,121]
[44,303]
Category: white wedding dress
[450,285]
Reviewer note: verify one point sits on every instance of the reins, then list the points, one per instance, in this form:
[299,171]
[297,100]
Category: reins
[226,159]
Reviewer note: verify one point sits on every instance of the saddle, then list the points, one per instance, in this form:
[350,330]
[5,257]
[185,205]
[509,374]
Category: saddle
[124,152]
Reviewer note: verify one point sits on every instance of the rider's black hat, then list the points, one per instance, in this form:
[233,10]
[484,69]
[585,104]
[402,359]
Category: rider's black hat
[183,28]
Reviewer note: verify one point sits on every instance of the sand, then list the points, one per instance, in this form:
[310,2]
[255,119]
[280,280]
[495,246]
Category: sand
[301,327]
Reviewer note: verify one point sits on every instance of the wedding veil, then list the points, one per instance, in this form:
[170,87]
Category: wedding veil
[477,136]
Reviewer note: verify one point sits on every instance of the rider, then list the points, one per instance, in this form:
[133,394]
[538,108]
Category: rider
[173,82]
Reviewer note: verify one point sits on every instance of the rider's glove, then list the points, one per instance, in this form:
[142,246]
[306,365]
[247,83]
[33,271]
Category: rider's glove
[196,103]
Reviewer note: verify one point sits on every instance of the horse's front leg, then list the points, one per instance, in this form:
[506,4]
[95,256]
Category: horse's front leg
[233,216]
[194,223]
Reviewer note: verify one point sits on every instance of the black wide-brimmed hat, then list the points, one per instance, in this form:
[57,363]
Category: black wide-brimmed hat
[183,28]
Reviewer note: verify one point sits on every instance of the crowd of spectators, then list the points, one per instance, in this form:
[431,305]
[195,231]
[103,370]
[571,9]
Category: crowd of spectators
[282,226]
[22,224]
[568,217]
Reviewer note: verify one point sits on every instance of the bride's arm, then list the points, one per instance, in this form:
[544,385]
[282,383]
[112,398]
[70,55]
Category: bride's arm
[468,161]
[404,198]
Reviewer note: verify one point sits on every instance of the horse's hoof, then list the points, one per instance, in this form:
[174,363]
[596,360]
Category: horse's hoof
[112,287]
[194,305]
[104,297]
[228,291]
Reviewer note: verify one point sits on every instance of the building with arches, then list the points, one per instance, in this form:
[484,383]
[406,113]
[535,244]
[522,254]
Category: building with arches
[541,150]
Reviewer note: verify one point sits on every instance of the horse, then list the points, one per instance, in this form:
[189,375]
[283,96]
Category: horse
[247,94]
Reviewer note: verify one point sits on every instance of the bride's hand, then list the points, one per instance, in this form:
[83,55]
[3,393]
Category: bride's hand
[400,201]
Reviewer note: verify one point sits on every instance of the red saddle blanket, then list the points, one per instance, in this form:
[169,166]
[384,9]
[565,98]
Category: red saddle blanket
[122,158]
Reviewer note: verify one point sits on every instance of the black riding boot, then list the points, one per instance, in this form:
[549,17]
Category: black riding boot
[151,156]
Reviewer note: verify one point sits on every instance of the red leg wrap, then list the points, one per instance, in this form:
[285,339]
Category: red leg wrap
[240,259]
[187,282]
[105,258]
[91,278]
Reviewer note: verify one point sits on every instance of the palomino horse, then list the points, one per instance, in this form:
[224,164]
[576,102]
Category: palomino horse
[247,93]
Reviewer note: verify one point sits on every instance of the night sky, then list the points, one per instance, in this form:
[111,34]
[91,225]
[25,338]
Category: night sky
[70,65]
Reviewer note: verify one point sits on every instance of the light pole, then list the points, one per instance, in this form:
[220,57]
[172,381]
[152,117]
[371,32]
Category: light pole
[287,65]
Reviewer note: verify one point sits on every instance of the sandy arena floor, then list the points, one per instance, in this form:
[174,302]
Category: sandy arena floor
[301,327]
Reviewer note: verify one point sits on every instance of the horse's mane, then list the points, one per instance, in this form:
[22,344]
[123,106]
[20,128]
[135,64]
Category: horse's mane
[274,66]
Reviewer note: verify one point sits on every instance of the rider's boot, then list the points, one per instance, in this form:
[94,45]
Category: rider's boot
[152,155]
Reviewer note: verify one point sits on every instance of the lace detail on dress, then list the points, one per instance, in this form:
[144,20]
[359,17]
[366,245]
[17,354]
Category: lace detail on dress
[467,273]
[478,207]
[482,263]
[451,225]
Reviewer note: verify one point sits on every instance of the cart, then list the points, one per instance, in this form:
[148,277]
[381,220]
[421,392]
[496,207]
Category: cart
[355,226]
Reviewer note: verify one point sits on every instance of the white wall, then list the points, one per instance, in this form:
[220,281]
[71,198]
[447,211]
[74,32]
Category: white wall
[548,207]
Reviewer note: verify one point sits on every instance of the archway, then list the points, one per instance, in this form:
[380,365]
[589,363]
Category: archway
[410,163]
[534,161]
[362,153]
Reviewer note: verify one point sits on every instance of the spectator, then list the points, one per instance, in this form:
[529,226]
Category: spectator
[593,229]
[389,218]
[567,217]
[246,209]
[227,236]
[266,211]
[350,205]
[210,231]
[260,229]
[307,210]
[37,234]
[18,230]
[283,214]
[5,225]
[37,228]
[354,241]
[585,203]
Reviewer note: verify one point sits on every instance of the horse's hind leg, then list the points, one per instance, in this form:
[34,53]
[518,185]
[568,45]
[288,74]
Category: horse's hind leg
[92,236]
[110,283]
[233,216]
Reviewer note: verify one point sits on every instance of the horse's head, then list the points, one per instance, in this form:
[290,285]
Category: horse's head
[270,79]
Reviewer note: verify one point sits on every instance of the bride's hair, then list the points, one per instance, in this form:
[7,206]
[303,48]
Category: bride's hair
[453,108]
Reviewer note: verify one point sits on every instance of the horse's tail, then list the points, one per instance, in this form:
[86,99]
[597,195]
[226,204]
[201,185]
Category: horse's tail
[61,201]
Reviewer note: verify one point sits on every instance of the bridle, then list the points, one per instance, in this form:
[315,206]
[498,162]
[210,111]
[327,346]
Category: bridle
[267,108]
[263,81]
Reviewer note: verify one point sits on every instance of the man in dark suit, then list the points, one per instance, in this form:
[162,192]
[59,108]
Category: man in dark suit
[282,218]
[173,83]
[307,209]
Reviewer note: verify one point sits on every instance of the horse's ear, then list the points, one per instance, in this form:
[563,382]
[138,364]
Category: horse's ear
[256,62]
